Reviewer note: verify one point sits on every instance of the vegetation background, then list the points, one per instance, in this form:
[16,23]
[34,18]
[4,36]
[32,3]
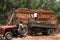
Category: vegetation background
[8,6]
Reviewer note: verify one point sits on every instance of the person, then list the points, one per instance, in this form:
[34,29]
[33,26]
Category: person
[30,17]
[21,27]
[35,16]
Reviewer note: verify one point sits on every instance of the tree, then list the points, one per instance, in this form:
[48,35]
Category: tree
[6,6]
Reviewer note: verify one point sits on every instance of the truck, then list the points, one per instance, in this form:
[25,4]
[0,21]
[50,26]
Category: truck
[34,21]
[40,20]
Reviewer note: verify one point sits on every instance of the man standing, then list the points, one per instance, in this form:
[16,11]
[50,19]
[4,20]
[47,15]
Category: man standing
[21,27]
[35,16]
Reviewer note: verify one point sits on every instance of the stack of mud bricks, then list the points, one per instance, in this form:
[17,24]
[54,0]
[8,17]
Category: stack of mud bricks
[22,14]
[44,16]
[47,16]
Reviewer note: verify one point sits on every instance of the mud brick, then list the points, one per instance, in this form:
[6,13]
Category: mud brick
[46,16]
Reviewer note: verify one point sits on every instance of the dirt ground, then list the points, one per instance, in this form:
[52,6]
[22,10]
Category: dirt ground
[55,37]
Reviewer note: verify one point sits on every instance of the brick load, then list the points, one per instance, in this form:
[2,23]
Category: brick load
[44,16]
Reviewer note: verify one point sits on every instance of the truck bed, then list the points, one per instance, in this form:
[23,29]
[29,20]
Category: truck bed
[42,25]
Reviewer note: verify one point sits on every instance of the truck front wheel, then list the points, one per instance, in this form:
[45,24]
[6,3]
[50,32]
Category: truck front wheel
[8,35]
[23,31]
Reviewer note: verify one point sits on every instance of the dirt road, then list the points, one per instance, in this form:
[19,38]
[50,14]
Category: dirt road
[55,37]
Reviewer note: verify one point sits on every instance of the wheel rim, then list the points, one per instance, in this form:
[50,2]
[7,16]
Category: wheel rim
[24,31]
[51,32]
[9,36]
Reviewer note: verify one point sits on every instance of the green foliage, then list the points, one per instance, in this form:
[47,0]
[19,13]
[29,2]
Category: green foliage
[3,21]
[7,6]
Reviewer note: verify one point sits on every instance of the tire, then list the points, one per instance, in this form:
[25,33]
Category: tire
[23,32]
[48,32]
[8,35]
[51,32]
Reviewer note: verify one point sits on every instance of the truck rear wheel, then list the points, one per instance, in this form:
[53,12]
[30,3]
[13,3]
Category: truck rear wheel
[48,32]
[8,35]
